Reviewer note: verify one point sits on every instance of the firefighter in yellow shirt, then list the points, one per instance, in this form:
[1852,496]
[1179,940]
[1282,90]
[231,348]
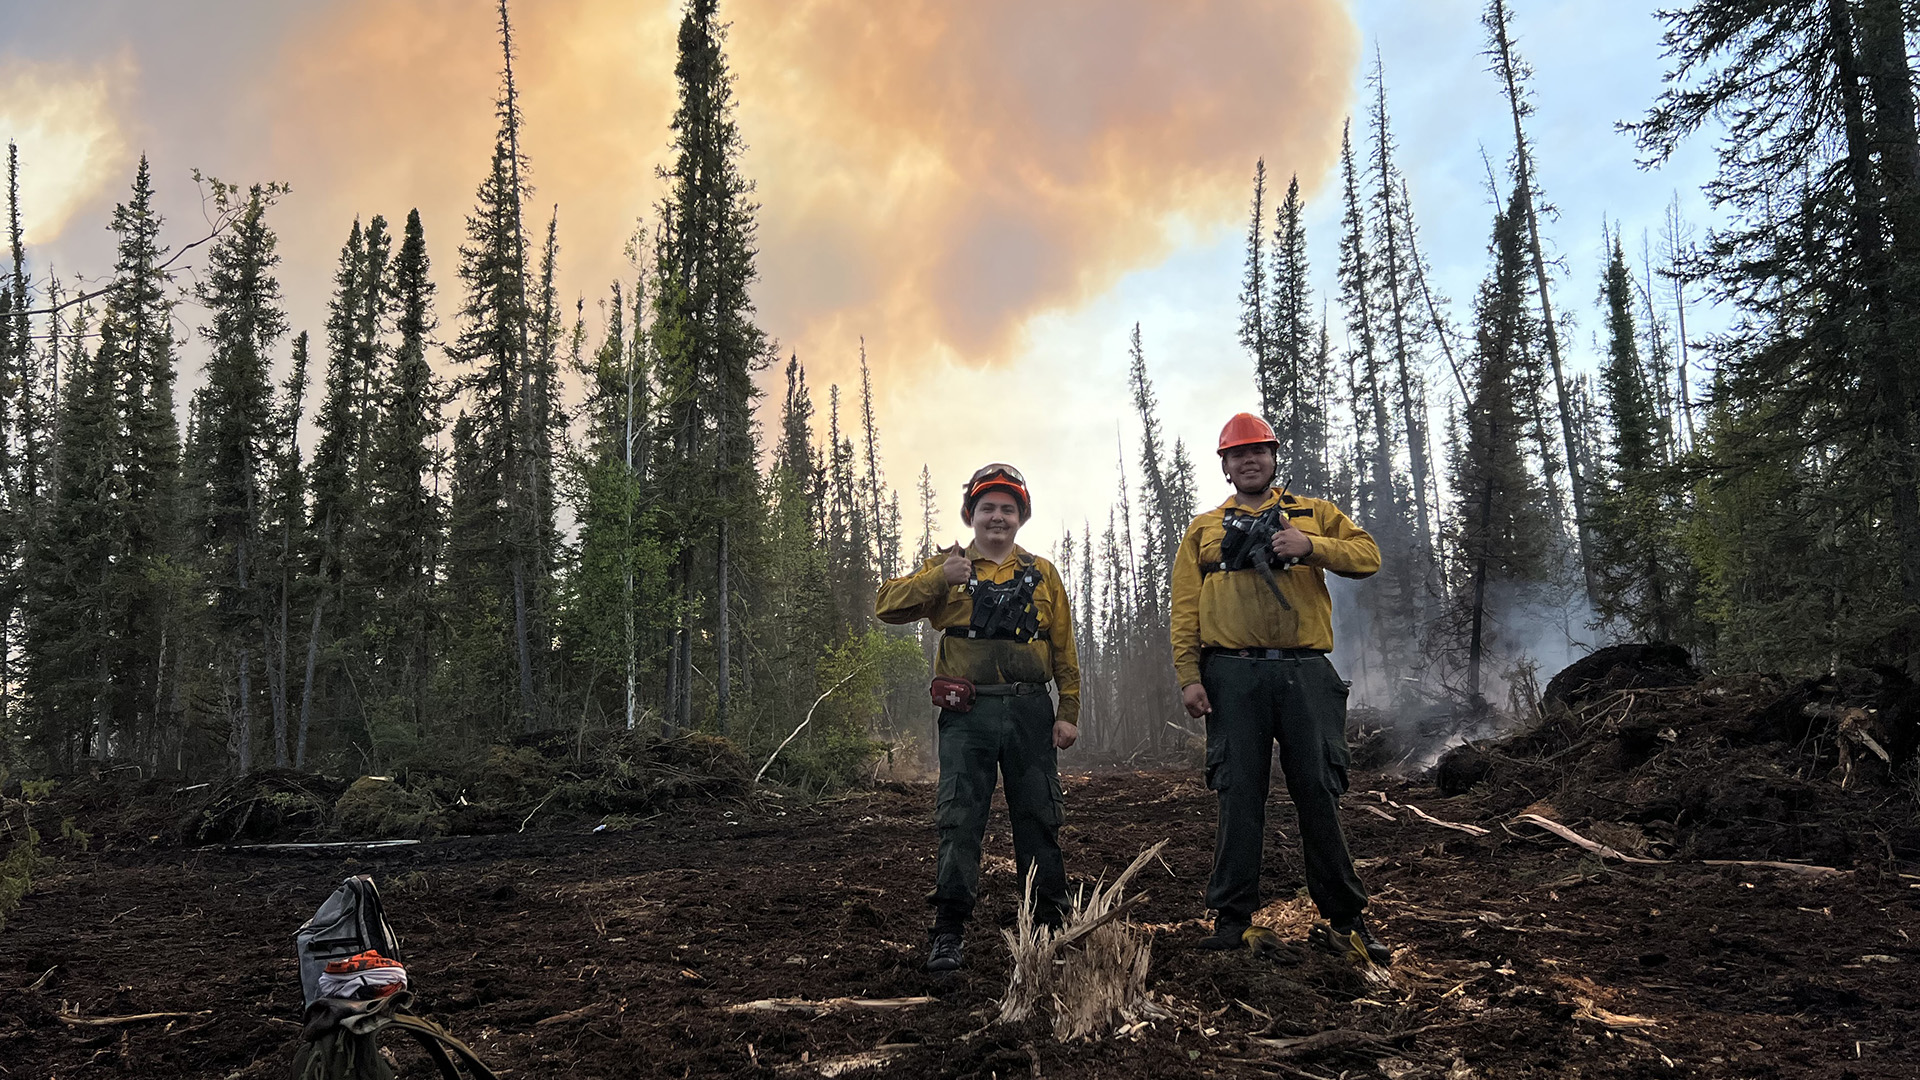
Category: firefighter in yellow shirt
[1007,633]
[1252,626]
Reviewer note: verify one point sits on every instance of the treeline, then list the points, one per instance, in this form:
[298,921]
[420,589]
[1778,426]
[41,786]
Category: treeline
[440,554]
[1752,494]
[460,559]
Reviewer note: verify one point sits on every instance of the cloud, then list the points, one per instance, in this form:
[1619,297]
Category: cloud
[64,120]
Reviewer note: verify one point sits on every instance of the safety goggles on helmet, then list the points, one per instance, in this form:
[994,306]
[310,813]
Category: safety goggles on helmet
[997,469]
[998,475]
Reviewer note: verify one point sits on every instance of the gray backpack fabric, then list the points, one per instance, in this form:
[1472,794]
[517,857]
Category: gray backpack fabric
[350,922]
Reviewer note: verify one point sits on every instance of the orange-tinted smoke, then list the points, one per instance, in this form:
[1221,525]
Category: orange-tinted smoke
[934,173]
[930,173]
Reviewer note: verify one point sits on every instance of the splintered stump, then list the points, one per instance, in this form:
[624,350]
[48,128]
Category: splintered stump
[1101,980]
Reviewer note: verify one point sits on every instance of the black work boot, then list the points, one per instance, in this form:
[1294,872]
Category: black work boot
[946,952]
[1351,940]
[1227,934]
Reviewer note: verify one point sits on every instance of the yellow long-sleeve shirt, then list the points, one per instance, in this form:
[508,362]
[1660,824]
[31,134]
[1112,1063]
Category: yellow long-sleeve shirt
[1236,611]
[1052,655]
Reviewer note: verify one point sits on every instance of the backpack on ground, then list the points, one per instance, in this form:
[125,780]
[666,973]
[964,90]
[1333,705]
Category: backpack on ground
[350,922]
[348,941]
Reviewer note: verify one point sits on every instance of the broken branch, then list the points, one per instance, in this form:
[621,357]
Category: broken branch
[809,719]
[581,1013]
[1579,841]
[1619,1021]
[77,1020]
[1605,852]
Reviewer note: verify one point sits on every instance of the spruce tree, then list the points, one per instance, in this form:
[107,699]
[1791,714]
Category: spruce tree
[403,516]
[1162,533]
[1256,330]
[708,343]
[508,381]
[338,482]
[136,342]
[886,529]
[284,525]
[1817,414]
[1295,380]
[74,603]
[20,479]
[1405,336]
[235,446]
[1501,526]
[1379,503]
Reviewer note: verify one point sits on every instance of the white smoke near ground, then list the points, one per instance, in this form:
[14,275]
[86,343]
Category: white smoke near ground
[1530,633]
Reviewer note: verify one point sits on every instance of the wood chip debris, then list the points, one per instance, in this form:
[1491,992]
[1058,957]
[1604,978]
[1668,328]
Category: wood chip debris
[826,1005]
[1335,1039]
[853,1063]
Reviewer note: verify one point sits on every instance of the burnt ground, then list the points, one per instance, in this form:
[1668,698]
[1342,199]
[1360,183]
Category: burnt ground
[617,953]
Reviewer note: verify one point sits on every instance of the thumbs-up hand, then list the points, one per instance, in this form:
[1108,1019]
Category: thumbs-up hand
[957,568]
[1289,543]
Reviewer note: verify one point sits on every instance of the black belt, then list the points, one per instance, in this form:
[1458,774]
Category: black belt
[1264,654]
[1009,689]
[975,635]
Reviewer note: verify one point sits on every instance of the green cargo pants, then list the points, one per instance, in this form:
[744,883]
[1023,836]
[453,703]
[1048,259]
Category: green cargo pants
[1015,736]
[1301,702]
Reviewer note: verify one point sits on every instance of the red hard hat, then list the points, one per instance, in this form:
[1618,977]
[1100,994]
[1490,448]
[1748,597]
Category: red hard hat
[1246,429]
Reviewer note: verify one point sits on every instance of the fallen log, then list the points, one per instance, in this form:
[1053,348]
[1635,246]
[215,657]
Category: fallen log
[323,845]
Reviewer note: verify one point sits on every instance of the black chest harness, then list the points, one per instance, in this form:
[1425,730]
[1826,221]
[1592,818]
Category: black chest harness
[1249,536]
[1248,542]
[1004,610]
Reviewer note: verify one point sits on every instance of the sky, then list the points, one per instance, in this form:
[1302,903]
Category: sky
[990,195]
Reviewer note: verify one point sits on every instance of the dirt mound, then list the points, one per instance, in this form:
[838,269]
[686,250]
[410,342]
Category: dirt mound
[1638,753]
[537,781]
[1634,666]
[265,805]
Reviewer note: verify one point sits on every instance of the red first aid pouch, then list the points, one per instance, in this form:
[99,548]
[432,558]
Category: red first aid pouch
[953,695]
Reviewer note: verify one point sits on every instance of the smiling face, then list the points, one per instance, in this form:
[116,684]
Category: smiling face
[996,518]
[1249,467]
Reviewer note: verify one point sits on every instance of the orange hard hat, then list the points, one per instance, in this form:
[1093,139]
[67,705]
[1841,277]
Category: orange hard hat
[1246,429]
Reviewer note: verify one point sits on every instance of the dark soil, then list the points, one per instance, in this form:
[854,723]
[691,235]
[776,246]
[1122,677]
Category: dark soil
[1519,955]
